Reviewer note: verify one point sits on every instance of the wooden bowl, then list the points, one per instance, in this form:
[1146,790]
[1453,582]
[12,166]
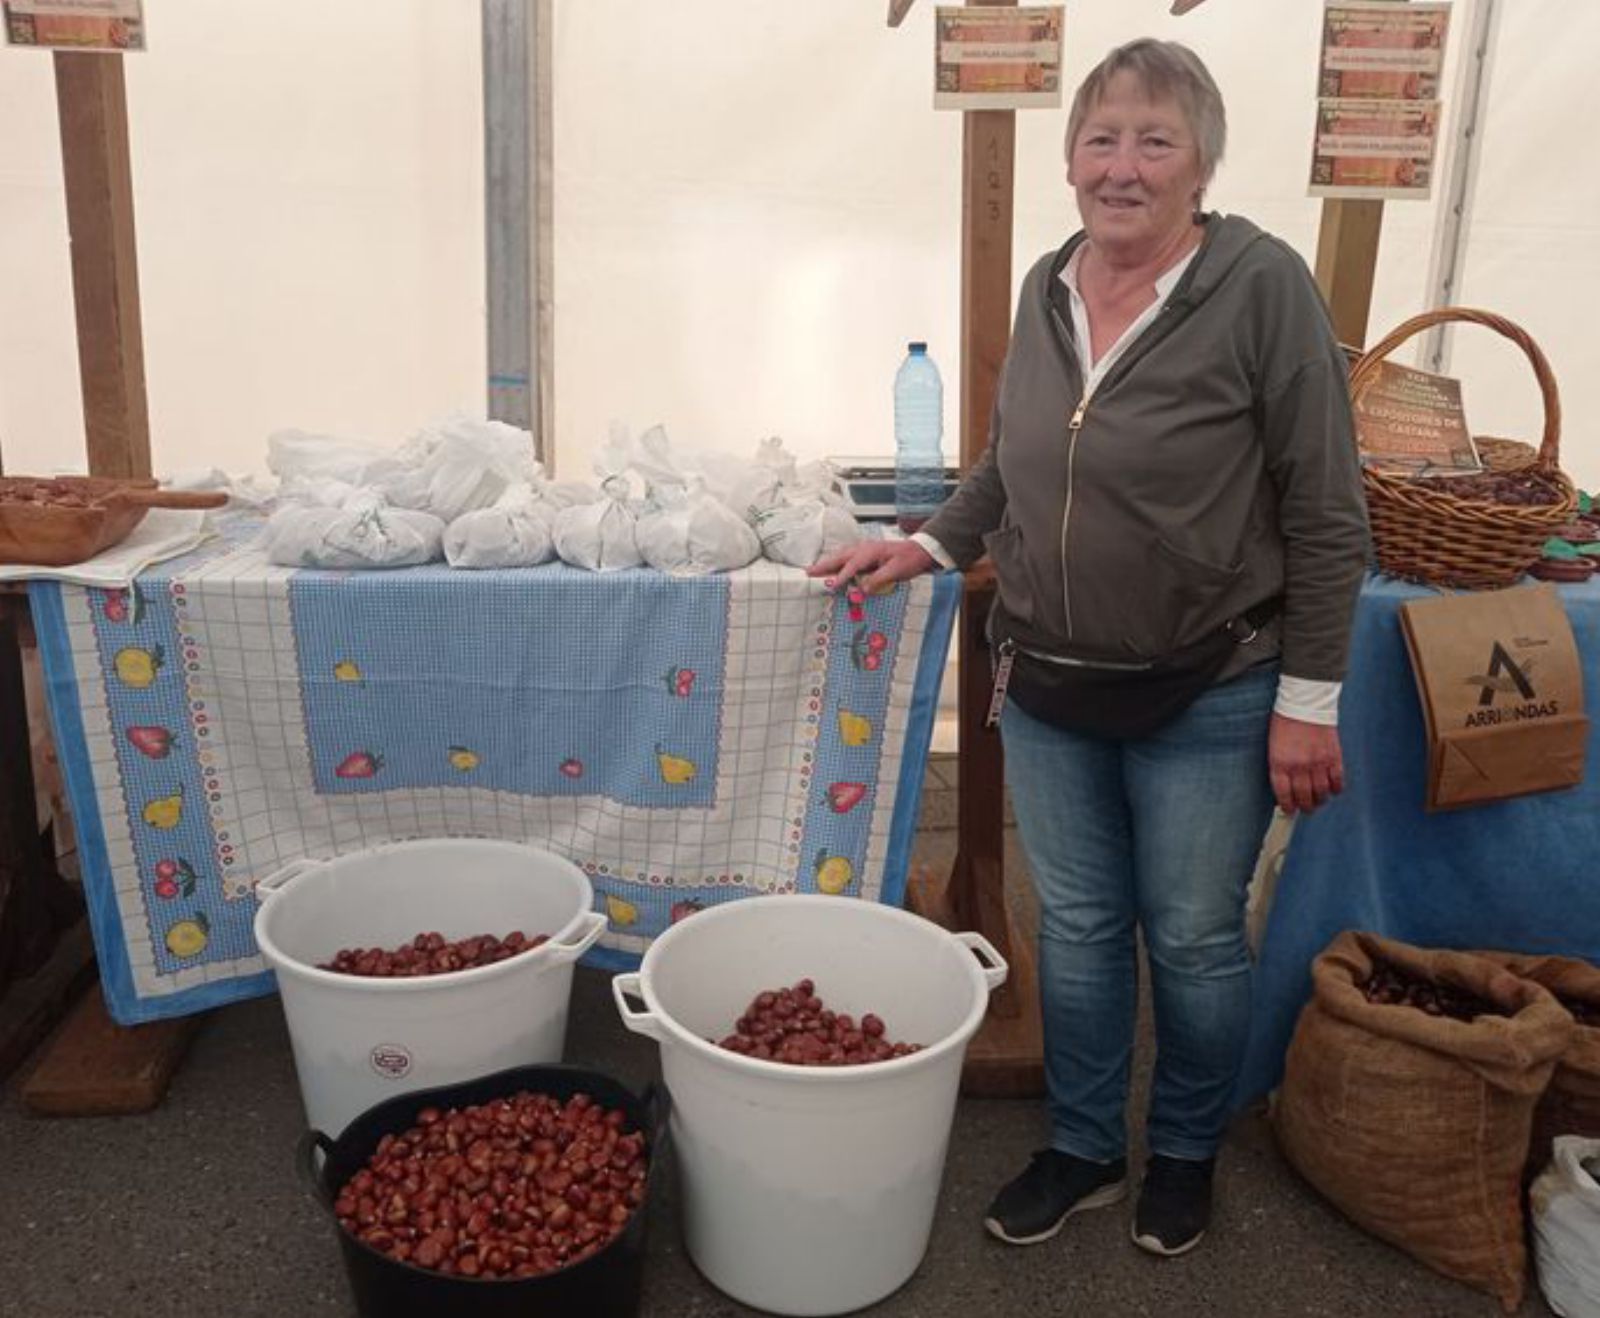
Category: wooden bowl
[61,520]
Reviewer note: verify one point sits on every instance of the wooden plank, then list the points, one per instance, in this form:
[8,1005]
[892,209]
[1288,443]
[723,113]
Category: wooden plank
[1347,263]
[92,106]
[32,1007]
[1005,1058]
[97,1068]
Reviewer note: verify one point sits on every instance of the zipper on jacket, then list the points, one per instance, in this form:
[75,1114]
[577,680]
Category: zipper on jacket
[1074,425]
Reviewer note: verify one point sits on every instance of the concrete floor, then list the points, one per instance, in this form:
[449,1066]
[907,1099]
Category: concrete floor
[194,1210]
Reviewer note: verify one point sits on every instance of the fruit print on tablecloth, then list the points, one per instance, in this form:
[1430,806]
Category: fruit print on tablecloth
[193,914]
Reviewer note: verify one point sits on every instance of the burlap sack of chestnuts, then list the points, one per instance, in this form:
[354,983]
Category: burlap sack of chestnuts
[1416,1125]
[1571,1105]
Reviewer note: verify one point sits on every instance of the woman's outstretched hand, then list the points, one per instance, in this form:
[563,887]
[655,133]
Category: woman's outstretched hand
[873,564]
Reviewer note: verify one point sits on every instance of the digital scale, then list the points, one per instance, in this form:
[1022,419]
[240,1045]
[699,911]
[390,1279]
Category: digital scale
[869,485]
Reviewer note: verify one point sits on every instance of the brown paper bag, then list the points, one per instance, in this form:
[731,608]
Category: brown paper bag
[1502,693]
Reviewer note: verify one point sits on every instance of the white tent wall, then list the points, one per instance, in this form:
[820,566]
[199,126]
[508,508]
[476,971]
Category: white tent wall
[755,209]
[308,194]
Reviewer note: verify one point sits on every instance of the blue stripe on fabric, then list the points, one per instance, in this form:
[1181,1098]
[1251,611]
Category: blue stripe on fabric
[919,733]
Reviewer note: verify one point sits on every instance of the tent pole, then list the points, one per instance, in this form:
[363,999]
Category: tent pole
[1450,239]
[517,248]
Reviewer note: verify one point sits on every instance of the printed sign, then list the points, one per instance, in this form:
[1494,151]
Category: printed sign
[1374,49]
[997,58]
[1378,98]
[1410,420]
[110,25]
[1379,149]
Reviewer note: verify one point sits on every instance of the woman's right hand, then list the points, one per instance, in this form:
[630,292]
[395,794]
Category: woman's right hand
[874,564]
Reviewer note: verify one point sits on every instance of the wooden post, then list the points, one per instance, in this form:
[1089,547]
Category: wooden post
[1005,1057]
[1347,262]
[92,105]
[95,1067]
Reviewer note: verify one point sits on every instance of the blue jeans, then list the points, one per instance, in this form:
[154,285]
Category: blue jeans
[1161,833]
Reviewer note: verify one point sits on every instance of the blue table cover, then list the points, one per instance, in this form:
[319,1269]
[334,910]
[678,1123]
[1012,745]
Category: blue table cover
[1521,875]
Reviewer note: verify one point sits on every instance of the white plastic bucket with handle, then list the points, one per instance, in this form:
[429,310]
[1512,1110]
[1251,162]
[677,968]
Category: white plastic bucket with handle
[360,1040]
[810,1190]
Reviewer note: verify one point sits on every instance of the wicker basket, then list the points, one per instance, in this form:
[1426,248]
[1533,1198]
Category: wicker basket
[1424,532]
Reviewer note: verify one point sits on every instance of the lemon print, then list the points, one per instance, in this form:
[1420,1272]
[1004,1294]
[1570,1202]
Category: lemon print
[188,938]
[463,759]
[165,811]
[834,873]
[137,667]
[621,913]
[853,729]
[347,671]
[674,768]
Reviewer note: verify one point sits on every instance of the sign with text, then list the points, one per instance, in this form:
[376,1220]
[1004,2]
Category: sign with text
[1410,420]
[999,58]
[1378,98]
[1375,149]
[108,25]
[1379,49]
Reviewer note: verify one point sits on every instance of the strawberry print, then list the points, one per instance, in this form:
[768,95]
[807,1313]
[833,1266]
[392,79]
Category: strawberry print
[571,767]
[156,742]
[680,682]
[844,797]
[684,909]
[359,764]
[124,605]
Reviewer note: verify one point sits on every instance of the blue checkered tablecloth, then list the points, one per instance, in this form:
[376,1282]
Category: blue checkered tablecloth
[687,741]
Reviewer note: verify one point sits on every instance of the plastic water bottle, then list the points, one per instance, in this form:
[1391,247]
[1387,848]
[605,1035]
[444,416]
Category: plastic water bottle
[918,429]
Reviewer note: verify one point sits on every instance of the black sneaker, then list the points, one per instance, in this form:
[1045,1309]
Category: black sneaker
[1174,1205]
[1056,1185]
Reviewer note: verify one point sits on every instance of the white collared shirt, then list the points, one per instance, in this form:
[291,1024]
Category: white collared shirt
[1299,698]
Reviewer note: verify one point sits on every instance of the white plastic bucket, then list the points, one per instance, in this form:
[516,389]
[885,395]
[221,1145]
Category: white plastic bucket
[357,1040]
[810,1190]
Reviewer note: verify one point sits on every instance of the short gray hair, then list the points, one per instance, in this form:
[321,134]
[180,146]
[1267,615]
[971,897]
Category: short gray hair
[1165,70]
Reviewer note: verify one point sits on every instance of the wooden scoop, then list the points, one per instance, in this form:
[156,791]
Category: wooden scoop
[104,513]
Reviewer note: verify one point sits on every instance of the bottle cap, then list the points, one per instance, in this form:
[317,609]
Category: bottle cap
[917,347]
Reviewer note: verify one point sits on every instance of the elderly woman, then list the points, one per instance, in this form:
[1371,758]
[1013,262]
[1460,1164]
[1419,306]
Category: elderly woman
[1172,503]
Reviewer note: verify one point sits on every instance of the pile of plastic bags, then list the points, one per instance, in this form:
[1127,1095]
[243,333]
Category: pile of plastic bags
[470,492]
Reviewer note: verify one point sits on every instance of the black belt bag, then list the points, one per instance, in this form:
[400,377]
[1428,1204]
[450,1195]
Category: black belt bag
[1116,702]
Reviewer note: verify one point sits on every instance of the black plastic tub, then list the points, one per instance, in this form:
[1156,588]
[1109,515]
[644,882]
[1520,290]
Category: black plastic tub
[604,1285]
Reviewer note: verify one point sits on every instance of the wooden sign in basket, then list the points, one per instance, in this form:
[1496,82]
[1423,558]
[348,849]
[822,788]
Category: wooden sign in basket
[1424,530]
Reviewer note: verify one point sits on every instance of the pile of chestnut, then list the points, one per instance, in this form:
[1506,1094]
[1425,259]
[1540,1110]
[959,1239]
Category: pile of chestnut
[794,1025]
[1389,985]
[431,954]
[514,1188]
